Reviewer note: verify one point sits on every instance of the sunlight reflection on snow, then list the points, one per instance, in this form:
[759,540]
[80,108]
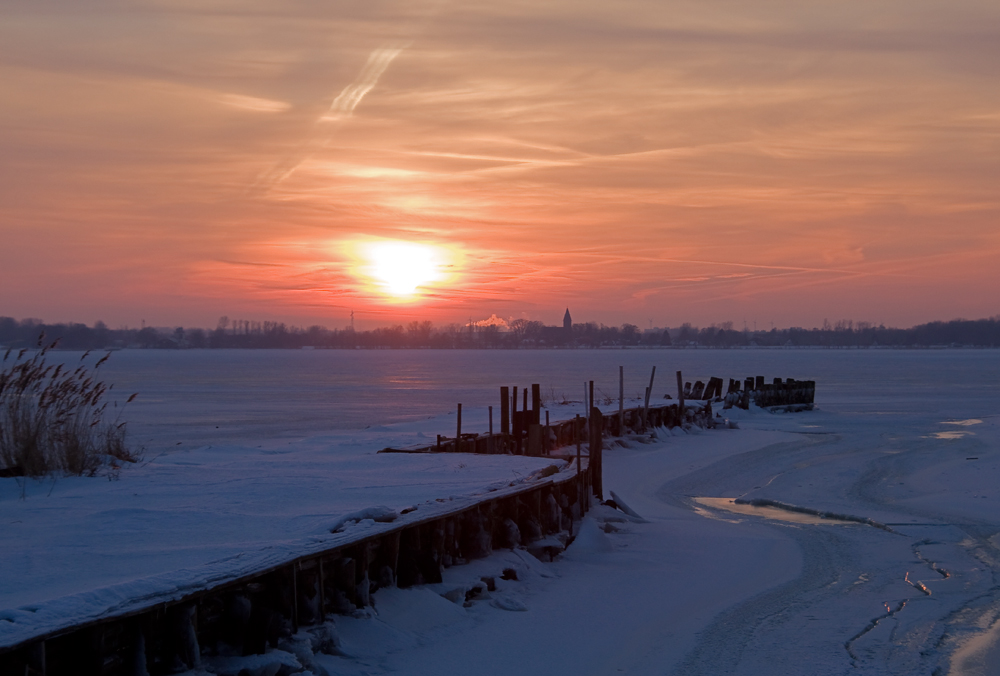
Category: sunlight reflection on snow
[729,505]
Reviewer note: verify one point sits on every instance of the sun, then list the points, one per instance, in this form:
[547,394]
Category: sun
[400,268]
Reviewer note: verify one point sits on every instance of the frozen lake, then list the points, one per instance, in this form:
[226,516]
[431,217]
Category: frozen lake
[254,453]
[197,397]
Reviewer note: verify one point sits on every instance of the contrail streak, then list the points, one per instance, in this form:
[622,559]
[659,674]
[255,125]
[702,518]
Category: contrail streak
[349,99]
[342,107]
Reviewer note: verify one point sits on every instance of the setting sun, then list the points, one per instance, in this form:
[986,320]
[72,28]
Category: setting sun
[401,268]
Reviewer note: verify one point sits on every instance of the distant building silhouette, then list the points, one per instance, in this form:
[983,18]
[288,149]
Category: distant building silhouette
[567,322]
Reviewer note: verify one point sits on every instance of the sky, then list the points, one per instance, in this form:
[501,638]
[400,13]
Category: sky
[652,162]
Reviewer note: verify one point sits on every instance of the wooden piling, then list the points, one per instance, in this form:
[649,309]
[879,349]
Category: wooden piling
[515,427]
[458,430]
[536,403]
[505,411]
[576,436]
[534,439]
[545,438]
[649,391]
[489,442]
[596,448]
[621,401]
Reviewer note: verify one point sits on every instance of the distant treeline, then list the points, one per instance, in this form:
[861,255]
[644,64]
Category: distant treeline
[521,334]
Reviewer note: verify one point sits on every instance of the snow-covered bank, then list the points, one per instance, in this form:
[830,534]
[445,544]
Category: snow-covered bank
[698,591]
[79,547]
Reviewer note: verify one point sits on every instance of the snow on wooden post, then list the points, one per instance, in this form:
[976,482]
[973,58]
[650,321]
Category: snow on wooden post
[458,431]
[363,581]
[621,401]
[185,636]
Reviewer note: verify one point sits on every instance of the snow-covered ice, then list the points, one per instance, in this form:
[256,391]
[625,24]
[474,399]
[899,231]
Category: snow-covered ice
[694,590]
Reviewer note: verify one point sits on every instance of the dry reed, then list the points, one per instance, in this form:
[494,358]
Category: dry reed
[54,419]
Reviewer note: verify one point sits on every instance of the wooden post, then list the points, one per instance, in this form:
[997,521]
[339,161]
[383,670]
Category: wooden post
[621,401]
[295,597]
[515,427]
[545,439]
[596,451]
[364,583]
[649,391]
[586,401]
[504,410]
[36,658]
[576,435]
[536,403]
[489,444]
[458,430]
[525,427]
[322,592]
[680,391]
[534,439]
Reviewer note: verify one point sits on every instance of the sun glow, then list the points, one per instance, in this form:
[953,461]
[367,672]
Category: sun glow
[401,268]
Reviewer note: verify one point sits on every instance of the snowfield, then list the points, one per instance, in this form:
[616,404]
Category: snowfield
[703,587]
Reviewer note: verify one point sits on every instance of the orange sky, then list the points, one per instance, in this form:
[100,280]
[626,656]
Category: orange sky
[663,161]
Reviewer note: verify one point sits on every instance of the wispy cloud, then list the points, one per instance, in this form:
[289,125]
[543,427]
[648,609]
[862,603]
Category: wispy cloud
[342,107]
[352,94]
[254,103]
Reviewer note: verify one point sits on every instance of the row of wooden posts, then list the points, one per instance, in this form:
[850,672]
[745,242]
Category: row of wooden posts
[522,432]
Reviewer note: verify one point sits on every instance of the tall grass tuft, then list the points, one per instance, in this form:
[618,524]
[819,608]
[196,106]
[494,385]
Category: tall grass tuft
[55,420]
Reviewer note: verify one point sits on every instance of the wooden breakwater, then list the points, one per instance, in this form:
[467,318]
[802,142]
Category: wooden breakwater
[248,613]
[523,432]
